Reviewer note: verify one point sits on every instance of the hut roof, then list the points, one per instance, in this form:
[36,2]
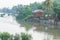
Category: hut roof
[37,11]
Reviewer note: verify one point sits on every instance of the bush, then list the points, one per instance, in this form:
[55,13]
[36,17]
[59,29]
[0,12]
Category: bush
[11,37]
[25,36]
[4,36]
[16,37]
[7,36]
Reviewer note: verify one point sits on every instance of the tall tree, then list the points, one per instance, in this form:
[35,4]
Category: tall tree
[47,6]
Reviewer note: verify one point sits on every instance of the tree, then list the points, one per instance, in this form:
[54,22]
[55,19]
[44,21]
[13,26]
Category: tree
[24,14]
[48,4]
[56,9]
[48,8]
[36,6]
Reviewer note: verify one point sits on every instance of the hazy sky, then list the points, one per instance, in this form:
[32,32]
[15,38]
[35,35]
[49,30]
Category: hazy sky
[11,3]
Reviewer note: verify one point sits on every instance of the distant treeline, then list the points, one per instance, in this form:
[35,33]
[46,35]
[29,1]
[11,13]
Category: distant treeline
[15,9]
[6,10]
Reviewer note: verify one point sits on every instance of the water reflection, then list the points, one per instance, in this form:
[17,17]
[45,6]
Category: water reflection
[12,27]
[42,32]
[51,31]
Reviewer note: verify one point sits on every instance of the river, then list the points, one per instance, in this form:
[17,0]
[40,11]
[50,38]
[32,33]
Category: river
[9,24]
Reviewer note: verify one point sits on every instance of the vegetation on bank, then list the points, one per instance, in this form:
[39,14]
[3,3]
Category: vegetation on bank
[7,36]
[50,8]
[23,13]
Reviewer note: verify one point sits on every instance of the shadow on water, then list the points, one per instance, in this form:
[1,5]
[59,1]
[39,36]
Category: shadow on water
[46,27]
[50,29]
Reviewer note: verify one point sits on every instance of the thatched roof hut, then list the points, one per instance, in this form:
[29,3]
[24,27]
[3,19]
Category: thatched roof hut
[38,13]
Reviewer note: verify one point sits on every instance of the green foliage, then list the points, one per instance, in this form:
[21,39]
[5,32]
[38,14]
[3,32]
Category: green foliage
[4,36]
[25,36]
[24,12]
[56,8]
[11,37]
[47,5]
[1,15]
[16,37]
[7,36]
[36,6]
[27,25]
